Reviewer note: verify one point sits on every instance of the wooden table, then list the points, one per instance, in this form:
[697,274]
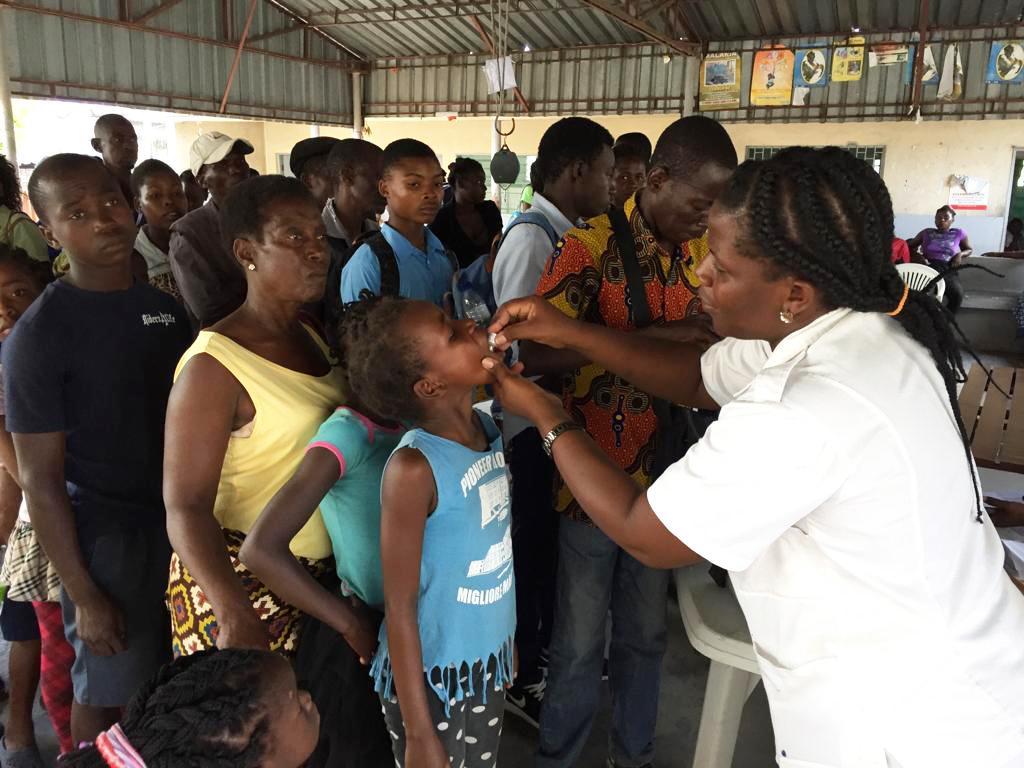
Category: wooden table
[995,423]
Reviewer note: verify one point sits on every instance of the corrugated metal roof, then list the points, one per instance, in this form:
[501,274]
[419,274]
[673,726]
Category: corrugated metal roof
[716,20]
[382,30]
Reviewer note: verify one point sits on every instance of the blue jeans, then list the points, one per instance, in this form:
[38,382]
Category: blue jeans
[595,574]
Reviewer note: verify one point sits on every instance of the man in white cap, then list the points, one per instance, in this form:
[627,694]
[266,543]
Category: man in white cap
[209,277]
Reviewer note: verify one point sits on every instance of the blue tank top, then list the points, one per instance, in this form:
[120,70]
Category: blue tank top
[467,601]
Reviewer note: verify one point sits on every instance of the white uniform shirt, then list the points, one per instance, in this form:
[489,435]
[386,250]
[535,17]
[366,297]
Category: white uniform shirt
[835,488]
[518,267]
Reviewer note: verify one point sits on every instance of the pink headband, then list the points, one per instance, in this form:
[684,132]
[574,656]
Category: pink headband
[117,751]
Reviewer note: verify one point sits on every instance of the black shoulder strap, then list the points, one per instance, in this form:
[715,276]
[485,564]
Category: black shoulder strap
[636,296]
[389,279]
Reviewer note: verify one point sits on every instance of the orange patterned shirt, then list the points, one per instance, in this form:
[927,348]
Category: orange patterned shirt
[585,279]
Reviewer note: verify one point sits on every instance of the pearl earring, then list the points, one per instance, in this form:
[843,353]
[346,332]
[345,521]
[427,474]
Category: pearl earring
[785,315]
[252,267]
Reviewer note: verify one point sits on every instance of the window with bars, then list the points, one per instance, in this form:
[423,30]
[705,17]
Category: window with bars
[874,156]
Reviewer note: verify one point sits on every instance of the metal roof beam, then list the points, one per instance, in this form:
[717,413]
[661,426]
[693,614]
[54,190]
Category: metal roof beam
[277,33]
[238,56]
[108,22]
[156,11]
[307,22]
[419,12]
[638,25]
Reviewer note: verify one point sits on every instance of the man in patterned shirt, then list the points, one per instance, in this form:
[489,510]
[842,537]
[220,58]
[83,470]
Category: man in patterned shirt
[586,279]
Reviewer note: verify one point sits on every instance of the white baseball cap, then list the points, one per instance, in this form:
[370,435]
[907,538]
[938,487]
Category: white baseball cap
[213,147]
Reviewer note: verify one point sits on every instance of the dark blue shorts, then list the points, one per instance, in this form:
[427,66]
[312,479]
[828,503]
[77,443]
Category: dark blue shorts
[18,621]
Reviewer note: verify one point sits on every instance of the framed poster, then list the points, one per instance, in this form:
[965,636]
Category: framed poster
[887,54]
[771,80]
[720,82]
[848,63]
[1006,62]
[811,69]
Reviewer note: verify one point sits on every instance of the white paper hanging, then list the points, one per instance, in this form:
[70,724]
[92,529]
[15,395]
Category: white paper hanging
[501,74]
[951,82]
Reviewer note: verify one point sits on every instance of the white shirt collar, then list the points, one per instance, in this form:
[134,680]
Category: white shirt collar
[556,217]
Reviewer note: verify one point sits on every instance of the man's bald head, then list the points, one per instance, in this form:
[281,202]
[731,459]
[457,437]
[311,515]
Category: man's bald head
[114,137]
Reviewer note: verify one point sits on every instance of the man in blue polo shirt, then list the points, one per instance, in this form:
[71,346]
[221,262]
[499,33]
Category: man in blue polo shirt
[413,184]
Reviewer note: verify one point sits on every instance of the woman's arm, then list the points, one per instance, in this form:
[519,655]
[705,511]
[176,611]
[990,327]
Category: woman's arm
[966,249]
[266,553]
[408,496]
[7,455]
[665,367]
[610,497]
[200,417]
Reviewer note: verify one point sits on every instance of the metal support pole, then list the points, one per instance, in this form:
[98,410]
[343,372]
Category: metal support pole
[357,105]
[922,21]
[238,56]
[496,142]
[10,145]
[691,74]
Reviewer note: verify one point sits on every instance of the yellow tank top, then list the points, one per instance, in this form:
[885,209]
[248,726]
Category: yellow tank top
[262,456]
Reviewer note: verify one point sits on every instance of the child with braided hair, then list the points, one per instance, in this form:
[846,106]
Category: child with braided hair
[837,486]
[212,709]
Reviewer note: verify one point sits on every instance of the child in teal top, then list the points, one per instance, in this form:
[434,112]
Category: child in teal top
[340,474]
[446,654]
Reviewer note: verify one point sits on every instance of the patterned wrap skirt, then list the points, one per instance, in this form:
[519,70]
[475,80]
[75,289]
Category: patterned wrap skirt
[193,624]
[27,571]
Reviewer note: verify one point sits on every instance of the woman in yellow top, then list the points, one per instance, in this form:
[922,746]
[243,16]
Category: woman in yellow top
[248,396]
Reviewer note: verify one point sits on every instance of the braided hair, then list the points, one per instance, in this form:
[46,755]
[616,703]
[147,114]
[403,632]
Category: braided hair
[381,364]
[200,711]
[460,171]
[825,217]
[10,187]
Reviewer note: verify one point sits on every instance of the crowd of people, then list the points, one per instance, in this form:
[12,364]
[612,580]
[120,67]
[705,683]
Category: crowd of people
[242,428]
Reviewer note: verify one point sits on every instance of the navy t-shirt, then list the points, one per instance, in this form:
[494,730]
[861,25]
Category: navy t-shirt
[99,366]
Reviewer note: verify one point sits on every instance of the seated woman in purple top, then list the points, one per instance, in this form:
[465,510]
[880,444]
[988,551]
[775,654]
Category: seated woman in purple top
[943,247]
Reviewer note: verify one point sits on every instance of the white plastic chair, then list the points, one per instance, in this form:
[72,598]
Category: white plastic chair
[717,629]
[917,276]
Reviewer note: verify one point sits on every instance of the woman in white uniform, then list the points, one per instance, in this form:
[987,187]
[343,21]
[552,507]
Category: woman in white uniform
[837,486]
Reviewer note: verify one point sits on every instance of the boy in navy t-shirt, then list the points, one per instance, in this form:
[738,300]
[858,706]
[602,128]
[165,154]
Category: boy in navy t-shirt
[88,370]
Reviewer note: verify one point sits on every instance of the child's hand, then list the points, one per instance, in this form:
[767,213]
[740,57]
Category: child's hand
[425,752]
[244,629]
[361,632]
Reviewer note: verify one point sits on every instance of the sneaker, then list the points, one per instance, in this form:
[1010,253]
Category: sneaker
[611,764]
[28,757]
[524,701]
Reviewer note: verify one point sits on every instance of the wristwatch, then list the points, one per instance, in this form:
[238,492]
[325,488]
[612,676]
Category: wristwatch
[558,431]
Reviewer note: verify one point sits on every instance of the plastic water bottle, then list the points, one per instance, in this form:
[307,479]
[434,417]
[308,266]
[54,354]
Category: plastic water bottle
[475,308]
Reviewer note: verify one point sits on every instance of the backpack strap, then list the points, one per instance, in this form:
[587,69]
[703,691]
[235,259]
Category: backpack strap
[536,218]
[390,282]
[636,296]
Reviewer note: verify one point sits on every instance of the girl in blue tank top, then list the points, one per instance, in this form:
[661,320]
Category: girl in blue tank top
[446,648]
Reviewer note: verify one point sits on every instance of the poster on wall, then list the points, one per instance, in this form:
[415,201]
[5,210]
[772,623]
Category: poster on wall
[811,69]
[720,82]
[968,193]
[888,54]
[848,63]
[1006,62]
[771,79]
[929,70]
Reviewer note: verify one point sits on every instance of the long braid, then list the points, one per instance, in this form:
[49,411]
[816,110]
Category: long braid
[826,217]
[200,711]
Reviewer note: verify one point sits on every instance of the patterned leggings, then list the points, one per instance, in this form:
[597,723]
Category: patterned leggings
[55,671]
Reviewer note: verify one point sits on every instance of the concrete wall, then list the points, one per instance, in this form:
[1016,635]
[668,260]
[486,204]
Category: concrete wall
[919,157]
